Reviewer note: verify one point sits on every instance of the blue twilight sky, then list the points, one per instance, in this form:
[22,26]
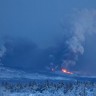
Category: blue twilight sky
[31,27]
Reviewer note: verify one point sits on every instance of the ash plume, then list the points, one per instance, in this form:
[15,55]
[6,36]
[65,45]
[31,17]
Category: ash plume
[83,24]
[2,49]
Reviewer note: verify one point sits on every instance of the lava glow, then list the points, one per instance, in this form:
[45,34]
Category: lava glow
[66,71]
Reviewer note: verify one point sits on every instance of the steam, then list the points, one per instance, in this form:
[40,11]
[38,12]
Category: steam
[2,48]
[2,51]
[83,24]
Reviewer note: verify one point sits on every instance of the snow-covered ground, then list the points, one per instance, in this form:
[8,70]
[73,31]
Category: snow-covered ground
[7,73]
[19,83]
[48,88]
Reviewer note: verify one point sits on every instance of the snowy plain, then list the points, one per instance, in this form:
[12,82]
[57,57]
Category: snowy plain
[24,84]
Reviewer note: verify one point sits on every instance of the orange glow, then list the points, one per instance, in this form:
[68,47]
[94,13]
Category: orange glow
[66,71]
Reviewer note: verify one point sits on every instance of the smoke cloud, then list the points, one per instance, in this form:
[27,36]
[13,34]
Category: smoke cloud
[2,49]
[83,24]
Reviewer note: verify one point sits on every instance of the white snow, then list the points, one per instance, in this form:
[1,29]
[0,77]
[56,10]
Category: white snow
[49,89]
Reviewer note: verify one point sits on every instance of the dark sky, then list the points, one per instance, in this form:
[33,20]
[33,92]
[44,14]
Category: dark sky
[31,27]
[37,20]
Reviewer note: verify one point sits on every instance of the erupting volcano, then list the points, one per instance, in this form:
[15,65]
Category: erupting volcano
[63,70]
[66,71]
